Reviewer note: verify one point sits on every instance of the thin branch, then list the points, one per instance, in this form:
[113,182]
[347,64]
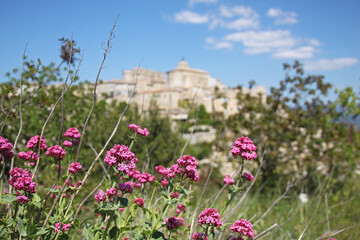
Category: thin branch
[288,187]
[106,52]
[203,191]
[182,133]
[266,231]
[101,163]
[20,113]
[50,115]
[233,210]
[89,195]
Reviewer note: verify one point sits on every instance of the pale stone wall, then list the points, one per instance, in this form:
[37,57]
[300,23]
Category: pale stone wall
[180,84]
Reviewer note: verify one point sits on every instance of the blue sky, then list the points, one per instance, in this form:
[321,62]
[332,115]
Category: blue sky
[235,41]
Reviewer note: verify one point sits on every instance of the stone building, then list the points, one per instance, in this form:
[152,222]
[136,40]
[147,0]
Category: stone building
[173,92]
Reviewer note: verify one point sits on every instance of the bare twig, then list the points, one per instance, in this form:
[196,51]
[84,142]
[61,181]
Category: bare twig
[88,196]
[106,52]
[266,231]
[187,119]
[202,193]
[233,210]
[50,115]
[288,187]
[101,163]
[20,113]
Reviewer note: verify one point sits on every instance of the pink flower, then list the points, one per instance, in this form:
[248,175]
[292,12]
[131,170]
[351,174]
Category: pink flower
[180,208]
[210,217]
[67,143]
[164,182]
[139,201]
[34,142]
[5,149]
[244,148]
[75,167]
[243,227]
[172,223]
[57,152]
[29,155]
[228,180]
[22,199]
[65,227]
[133,126]
[57,227]
[144,132]
[248,176]
[121,156]
[72,133]
[21,180]
[100,196]
[174,195]
[199,236]
[126,188]
[111,192]
[145,177]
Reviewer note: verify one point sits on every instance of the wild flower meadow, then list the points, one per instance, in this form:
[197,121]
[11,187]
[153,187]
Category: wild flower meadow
[129,200]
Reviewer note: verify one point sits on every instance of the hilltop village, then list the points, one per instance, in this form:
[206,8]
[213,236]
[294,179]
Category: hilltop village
[175,91]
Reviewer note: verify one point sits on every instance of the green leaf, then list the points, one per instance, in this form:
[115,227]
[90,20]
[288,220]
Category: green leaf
[9,198]
[22,227]
[113,232]
[158,235]
[123,202]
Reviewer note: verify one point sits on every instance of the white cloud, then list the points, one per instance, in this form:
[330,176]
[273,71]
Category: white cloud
[193,2]
[236,17]
[282,17]
[330,64]
[313,42]
[190,17]
[299,53]
[263,39]
[243,23]
[215,44]
[228,12]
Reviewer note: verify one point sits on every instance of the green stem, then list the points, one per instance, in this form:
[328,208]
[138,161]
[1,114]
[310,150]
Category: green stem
[111,216]
[158,221]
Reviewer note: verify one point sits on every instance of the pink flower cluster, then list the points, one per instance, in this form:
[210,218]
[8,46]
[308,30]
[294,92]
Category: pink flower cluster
[186,166]
[34,142]
[64,227]
[57,152]
[248,176]
[174,195]
[199,236]
[122,157]
[180,208]
[243,227]
[75,167]
[126,188]
[100,196]
[139,202]
[21,180]
[5,149]
[228,180]
[244,148]
[29,155]
[144,132]
[172,223]
[72,133]
[22,199]
[145,177]
[210,217]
